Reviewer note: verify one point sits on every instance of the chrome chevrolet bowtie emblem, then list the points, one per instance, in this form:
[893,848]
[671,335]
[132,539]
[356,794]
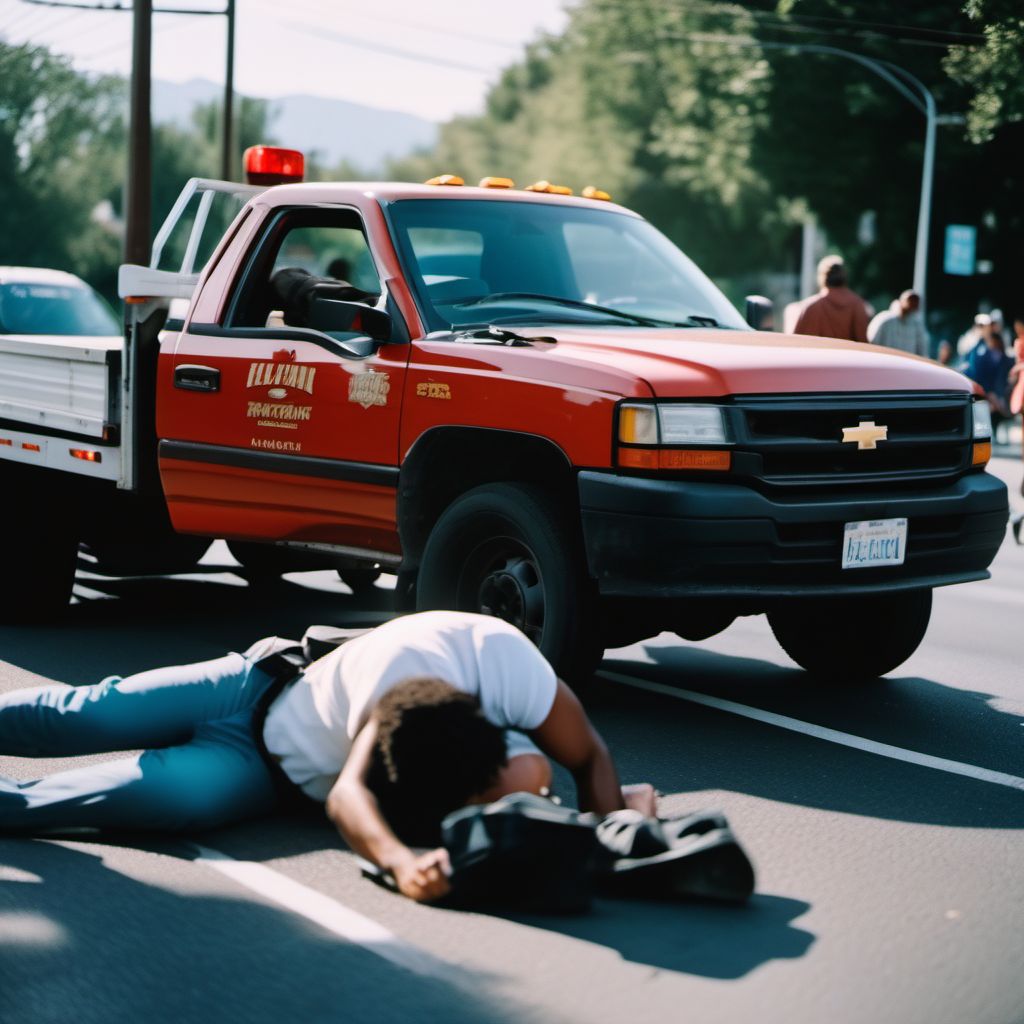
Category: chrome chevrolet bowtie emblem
[867,435]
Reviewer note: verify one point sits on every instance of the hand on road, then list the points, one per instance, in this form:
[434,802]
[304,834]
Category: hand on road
[642,797]
[424,878]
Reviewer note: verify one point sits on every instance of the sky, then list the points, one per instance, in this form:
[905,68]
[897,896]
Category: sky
[433,58]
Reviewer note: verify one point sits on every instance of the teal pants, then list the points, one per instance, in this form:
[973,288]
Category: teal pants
[200,767]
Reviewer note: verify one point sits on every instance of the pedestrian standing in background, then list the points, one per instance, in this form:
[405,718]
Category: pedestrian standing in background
[945,354]
[836,311]
[1016,379]
[989,366]
[901,326]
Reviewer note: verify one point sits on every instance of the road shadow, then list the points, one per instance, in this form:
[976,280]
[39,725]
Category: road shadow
[691,938]
[681,746]
[139,623]
[80,941]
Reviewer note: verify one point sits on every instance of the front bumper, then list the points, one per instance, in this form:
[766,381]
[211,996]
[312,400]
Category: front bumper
[674,539]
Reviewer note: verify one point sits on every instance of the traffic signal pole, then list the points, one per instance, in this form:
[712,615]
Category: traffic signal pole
[138,201]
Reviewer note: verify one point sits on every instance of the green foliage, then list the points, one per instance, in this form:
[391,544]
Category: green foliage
[63,140]
[626,101]
[59,136]
[995,71]
[709,119]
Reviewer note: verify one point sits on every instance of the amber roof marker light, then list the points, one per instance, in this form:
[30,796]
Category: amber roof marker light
[445,179]
[546,186]
[492,182]
[592,192]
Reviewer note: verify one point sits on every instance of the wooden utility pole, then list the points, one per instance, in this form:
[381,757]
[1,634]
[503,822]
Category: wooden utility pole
[138,201]
[227,122]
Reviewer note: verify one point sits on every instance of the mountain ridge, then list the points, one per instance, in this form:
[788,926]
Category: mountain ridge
[333,130]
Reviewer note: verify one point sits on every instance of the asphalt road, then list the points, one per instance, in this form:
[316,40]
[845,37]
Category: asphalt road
[889,890]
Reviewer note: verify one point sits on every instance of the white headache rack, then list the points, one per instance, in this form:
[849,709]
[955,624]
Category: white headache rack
[150,282]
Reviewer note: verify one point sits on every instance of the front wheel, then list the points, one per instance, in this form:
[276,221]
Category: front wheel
[853,638]
[508,550]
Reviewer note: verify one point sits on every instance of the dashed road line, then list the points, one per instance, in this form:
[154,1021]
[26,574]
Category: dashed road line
[330,914]
[821,732]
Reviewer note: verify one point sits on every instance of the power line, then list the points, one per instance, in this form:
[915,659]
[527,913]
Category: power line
[126,43]
[117,5]
[36,18]
[420,26]
[98,25]
[798,24]
[357,43]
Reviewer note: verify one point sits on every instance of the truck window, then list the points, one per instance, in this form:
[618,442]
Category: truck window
[613,269]
[466,256]
[325,243]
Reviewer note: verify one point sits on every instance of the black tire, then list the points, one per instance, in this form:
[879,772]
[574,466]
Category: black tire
[160,555]
[359,579]
[508,550]
[39,563]
[853,638]
[263,563]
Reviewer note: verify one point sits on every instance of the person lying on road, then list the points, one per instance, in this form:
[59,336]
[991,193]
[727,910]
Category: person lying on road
[390,732]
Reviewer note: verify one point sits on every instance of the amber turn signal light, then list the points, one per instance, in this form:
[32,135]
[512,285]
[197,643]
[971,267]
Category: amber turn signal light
[982,453]
[675,459]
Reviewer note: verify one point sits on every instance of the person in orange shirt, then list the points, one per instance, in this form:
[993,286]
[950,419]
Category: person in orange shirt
[836,311]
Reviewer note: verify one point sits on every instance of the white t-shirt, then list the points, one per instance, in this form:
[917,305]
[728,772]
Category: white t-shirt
[311,726]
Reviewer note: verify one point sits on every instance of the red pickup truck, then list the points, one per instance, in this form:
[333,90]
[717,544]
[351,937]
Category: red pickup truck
[522,402]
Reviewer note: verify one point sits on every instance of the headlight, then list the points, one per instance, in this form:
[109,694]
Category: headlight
[655,436]
[692,424]
[982,416]
[651,424]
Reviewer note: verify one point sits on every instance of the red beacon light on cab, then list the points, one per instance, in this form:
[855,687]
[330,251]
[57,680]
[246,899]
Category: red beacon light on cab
[272,165]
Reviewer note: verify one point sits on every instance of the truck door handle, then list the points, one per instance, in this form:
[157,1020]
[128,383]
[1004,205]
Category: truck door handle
[192,377]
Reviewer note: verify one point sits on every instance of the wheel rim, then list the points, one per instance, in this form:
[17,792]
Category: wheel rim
[501,577]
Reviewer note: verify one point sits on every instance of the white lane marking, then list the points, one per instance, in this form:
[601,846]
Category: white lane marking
[328,913]
[820,732]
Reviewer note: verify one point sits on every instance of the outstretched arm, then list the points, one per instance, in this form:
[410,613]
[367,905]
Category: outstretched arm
[355,813]
[568,737]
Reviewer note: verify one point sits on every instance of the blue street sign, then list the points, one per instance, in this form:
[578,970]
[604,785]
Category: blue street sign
[961,242]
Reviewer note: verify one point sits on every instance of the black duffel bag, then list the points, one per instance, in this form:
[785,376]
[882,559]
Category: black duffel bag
[522,853]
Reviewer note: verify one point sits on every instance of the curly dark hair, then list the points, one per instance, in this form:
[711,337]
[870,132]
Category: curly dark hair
[434,751]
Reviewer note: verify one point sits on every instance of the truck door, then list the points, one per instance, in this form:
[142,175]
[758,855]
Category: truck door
[268,430]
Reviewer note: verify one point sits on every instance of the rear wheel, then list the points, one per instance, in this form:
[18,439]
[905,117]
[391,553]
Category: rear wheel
[39,563]
[508,550]
[853,638]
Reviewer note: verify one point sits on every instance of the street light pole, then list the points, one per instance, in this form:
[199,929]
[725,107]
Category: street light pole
[924,214]
[904,83]
[911,89]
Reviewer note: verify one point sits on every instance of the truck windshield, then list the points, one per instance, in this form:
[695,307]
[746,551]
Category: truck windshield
[484,262]
[31,308]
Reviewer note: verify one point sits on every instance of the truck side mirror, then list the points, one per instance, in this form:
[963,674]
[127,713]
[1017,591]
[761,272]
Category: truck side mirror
[337,315]
[760,313]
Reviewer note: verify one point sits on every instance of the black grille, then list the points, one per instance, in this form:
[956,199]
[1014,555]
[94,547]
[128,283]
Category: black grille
[799,440]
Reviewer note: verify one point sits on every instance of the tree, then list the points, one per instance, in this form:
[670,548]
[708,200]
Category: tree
[59,135]
[626,100]
[994,71]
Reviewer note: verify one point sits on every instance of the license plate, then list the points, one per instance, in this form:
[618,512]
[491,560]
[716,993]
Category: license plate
[874,542]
